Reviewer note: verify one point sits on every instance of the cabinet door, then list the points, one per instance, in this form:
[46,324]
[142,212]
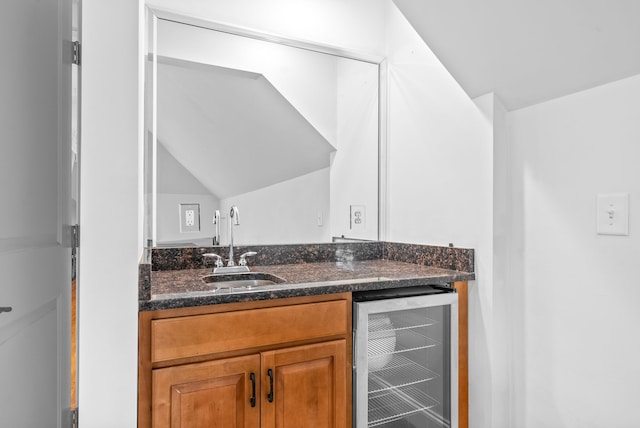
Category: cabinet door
[308,386]
[213,394]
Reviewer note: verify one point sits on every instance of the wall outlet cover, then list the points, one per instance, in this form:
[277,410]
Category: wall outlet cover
[357,217]
[189,218]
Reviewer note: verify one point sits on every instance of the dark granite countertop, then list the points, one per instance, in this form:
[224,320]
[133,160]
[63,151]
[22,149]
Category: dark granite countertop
[185,287]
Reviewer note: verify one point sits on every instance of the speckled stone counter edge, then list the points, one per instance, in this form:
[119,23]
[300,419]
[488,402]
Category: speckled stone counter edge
[144,281]
[189,300]
[458,259]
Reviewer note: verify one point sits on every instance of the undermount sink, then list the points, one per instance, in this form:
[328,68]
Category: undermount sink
[242,281]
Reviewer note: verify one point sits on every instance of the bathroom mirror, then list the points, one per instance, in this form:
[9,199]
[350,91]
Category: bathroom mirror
[286,131]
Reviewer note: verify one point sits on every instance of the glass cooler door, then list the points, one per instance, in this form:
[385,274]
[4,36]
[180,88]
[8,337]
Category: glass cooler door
[406,362]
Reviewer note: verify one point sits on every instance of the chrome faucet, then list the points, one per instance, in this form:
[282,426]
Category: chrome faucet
[216,222]
[243,257]
[221,269]
[234,219]
[218,263]
[231,267]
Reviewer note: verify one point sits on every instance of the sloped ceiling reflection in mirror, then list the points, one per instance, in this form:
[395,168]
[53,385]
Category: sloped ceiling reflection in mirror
[175,178]
[232,129]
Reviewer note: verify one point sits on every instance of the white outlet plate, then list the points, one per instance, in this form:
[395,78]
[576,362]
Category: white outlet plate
[358,217]
[613,214]
[189,218]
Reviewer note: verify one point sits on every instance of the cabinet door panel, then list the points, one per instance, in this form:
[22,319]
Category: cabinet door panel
[214,394]
[309,386]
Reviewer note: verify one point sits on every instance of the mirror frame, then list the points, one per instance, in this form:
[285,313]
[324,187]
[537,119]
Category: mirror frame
[153,14]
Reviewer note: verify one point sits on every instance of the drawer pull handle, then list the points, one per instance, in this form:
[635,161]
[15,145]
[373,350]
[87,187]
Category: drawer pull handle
[6,309]
[252,400]
[270,394]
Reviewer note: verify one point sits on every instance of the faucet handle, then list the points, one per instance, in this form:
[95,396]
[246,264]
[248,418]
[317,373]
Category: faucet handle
[219,262]
[243,257]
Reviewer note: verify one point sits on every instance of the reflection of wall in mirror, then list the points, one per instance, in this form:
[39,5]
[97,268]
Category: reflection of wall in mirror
[175,186]
[338,96]
[285,213]
[233,131]
[306,78]
[354,166]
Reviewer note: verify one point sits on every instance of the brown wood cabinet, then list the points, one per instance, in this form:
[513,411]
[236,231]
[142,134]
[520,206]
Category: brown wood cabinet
[462,288]
[278,363]
[196,364]
[209,394]
[308,386]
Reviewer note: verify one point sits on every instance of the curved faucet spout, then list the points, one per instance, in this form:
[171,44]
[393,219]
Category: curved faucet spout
[234,219]
[235,215]
[216,221]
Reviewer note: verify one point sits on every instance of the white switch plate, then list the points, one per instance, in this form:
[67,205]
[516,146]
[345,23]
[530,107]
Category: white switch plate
[357,217]
[189,218]
[613,214]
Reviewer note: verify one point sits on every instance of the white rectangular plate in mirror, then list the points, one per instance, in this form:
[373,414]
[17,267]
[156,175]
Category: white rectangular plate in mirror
[288,134]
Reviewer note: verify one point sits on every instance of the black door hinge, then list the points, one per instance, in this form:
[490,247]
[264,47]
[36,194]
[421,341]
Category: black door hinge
[74,418]
[70,236]
[75,236]
[75,52]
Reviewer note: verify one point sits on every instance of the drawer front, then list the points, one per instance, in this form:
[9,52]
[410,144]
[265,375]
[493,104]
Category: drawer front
[191,336]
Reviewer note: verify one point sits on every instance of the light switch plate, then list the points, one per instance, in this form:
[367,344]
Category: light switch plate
[613,214]
[189,218]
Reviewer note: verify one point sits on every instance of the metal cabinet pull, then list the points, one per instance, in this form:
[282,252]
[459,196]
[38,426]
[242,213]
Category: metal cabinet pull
[252,400]
[270,394]
[6,309]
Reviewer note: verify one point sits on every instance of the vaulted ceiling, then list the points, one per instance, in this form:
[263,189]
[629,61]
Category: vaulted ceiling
[530,51]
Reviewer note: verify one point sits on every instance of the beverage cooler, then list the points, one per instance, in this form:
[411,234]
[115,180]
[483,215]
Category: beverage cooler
[405,358]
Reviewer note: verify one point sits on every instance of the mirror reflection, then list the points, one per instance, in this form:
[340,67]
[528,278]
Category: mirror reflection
[286,134]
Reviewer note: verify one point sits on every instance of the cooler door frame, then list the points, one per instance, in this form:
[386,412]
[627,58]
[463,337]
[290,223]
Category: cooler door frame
[361,312]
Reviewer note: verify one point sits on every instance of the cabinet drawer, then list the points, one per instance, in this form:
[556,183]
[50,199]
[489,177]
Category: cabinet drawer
[191,336]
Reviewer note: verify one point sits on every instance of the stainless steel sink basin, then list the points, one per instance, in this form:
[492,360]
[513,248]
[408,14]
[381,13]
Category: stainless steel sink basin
[242,281]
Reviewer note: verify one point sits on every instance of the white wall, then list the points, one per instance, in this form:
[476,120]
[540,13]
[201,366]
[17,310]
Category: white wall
[502,341]
[271,214]
[495,305]
[575,296]
[440,182]
[111,214]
